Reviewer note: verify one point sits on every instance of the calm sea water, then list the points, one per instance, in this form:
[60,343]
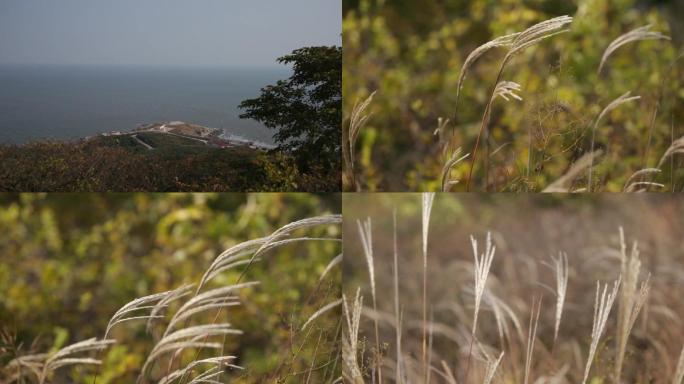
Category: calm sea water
[71,102]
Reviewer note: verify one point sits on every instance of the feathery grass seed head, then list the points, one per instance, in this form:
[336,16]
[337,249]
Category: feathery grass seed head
[602,309]
[639,34]
[483,263]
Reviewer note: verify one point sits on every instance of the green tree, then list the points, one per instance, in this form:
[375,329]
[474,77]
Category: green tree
[306,108]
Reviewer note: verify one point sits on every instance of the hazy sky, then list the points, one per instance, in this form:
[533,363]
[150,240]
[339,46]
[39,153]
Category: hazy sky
[168,32]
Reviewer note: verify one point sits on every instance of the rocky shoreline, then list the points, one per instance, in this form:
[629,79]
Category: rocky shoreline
[213,137]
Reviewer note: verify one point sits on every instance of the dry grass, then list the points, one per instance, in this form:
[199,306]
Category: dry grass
[631,301]
[679,373]
[41,367]
[449,164]
[565,183]
[512,176]
[428,199]
[351,368]
[531,337]
[617,317]
[188,328]
[357,120]
[501,41]
[516,43]
[623,99]
[560,265]
[638,34]
[602,309]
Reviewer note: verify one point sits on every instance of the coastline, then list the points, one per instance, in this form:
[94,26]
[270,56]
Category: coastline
[212,137]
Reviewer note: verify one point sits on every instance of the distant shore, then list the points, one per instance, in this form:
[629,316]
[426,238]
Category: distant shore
[212,137]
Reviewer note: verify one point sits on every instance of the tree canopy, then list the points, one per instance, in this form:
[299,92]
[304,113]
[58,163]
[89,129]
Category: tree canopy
[306,108]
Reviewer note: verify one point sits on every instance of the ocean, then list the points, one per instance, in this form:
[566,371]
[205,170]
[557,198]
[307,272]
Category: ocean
[42,102]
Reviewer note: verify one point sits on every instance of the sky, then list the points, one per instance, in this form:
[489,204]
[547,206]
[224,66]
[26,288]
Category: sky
[188,33]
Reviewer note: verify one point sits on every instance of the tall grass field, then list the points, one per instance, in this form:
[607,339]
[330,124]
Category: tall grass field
[458,288]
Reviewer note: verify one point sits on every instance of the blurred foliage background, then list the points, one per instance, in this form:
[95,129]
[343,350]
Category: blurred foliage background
[69,261]
[411,53]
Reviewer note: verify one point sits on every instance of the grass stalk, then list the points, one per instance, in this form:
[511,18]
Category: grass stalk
[521,41]
[395,270]
[561,271]
[366,234]
[602,309]
[531,337]
[623,99]
[482,265]
[630,302]
[428,199]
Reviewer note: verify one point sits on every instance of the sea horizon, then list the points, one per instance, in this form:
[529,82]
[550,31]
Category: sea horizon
[145,66]
[71,101]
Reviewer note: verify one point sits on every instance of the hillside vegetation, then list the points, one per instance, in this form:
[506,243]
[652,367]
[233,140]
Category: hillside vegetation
[304,111]
[120,163]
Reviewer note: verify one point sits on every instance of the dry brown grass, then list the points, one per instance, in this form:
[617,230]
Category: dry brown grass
[617,315]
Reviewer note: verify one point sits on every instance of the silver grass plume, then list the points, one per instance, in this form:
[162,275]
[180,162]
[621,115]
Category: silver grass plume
[455,158]
[366,235]
[234,256]
[507,89]
[483,263]
[527,38]
[632,184]
[205,301]
[428,199]
[501,311]
[623,99]
[162,304]
[321,311]
[561,270]
[129,310]
[677,147]
[220,362]
[501,41]
[211,375]
[539,32]
[249,251]
[287,230]
[155,303]
[333,263]
[356,121]
[65,356]
[631,301]
[516,42]
[601,311]
[351,370]
[564,183]
[678,377]
[187,338]
[34,363]
[492,365]
[639,34]
[440,131]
